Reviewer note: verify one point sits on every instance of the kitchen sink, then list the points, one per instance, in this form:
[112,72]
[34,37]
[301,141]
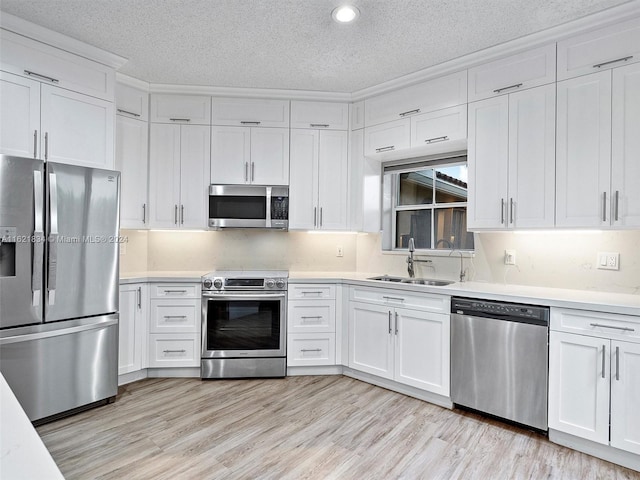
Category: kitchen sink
[414,281]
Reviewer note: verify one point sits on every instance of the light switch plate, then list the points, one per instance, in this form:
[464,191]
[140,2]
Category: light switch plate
[608,261]
[509,257]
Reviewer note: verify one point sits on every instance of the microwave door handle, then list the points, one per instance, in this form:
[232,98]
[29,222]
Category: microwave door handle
[267,215]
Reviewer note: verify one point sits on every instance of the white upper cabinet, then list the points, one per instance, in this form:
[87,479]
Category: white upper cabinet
[181,109]
[269,156]
[439,126]
[600,49]
[131,159]
[442,92]
[19,116]
[357,115]
[29,58]
[325,115]
[132,102]
[517,72]
[387,137]
[250,112]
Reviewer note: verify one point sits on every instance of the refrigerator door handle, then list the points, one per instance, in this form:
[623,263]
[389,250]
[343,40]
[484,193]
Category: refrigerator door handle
[52,264]
[38,239]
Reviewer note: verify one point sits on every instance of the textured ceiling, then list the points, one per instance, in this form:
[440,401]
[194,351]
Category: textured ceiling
[293,44]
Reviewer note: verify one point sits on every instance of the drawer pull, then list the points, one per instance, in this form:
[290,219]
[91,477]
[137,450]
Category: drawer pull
[385,149]
[174,351]
[498,90]
[39,75]
[316,317]
[623,59]
[624,329]
[311,350]
[175,291]
[397,299]
[249,123]
[128,113]
[169,317]
[409,112]
[323,125]
[437,139]
[180,119]
[312,292]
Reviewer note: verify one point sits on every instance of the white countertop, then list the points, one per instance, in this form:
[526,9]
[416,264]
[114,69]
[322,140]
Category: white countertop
[22,453]
[621,303]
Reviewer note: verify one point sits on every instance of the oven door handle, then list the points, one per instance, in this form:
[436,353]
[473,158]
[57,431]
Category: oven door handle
[242,296]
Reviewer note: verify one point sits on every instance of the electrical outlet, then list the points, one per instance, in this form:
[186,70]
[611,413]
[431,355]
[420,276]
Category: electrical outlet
[339,251]
[509,257]
[608,261]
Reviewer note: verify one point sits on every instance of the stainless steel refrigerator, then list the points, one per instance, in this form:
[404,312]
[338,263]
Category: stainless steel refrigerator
[59,251]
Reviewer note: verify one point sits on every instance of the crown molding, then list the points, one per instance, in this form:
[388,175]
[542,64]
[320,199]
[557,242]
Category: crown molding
[626,11]
[280,94]
[132,82]
[36,32]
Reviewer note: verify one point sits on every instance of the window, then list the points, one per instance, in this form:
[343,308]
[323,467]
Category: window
[427,201]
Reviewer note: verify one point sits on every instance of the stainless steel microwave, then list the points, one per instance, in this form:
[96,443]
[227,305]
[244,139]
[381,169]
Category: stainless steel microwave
[248,206]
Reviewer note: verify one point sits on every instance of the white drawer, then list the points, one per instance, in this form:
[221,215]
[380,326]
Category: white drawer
[169,316]
[397,298]
[312,291]
[32,59]
[311,316]
[175,350]
[311,349]
[181,109]
[596,324]
[178,290]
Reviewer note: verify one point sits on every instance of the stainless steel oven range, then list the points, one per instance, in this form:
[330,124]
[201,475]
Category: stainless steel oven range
[244,319]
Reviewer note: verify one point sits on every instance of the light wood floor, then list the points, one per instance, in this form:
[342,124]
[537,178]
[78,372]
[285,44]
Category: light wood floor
[329,427]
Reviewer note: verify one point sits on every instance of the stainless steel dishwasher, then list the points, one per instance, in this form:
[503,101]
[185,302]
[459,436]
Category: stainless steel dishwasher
[500,359]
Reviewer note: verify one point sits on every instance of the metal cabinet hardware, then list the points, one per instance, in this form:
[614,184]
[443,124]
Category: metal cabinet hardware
[616,203]
[144,213]
[249,123]
[511,210]
[396,323]
[323,125]
[623,59]
[389,322]
[315,216]
[175,214]
[320,216]
[498,90]
[385,149]
[181,214]
[604,207]
[35,144]
[176,317]
[410,112]
[314,292]
[174,351]
[246,171]
[129,113]
[309,317]
[310,349]
[437,139]
[624,329]
[603,360]
[139,298]
[46,145]
[397,299]
[39,75]
[502,211]
[175,291]
[180,119]
[617,363]
[253,171]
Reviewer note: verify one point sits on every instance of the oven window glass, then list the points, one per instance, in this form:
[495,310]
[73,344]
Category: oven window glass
[243,325]
[240,207]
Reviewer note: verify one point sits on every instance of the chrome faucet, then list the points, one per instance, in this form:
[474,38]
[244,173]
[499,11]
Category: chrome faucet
[462,272]
[410,267]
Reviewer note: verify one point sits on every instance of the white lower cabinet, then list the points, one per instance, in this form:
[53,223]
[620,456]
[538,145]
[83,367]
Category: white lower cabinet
[311,349]
[132,330]
[174,325]
[594,391]
[407,345]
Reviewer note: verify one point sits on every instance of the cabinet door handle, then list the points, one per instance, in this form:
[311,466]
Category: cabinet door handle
[498,90]
[618,363]
[253,171]
[315,216]
[144,213]
[396,323]
[139,298]
[389,322]
[604,206]
[181,214]
[623,59]
[603,359]
[624,329]
[437,139]
[128,113]
[249,123]
[310,349]
[35,144]
[246,171]
[322,125]
[174,351]
[46,145]
[511,211]
[502,211]
[617,202]
[409,112]
[180,119]
[320,216]
[175,214]
[39,75]
[385,149]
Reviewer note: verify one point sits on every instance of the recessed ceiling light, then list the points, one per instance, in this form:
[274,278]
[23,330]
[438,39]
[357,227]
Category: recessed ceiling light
[345,14]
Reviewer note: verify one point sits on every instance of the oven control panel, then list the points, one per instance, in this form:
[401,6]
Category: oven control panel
[218,283]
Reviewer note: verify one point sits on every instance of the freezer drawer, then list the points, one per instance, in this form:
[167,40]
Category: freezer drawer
[57,367]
